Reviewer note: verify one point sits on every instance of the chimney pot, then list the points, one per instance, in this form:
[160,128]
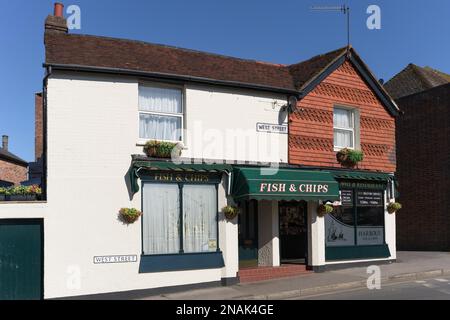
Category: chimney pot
[59,8]
[5,143]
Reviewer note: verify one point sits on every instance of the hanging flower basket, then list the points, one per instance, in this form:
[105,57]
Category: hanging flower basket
[324,209]
[349,158]
[162,149]
[129,215]
[230,212]
[393,207]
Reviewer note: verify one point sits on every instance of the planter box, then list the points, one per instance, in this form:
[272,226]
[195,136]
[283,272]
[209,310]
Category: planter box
[2,197]
[22,197]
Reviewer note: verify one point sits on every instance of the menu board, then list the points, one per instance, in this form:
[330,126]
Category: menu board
[369,199]
[347,197]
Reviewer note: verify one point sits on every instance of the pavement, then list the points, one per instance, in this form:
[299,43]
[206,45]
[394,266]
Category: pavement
[410,266]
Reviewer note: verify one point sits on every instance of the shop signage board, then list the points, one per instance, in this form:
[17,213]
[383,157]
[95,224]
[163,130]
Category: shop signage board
[182,177]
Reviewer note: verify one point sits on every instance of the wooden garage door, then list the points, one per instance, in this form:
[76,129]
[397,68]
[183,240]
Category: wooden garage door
[21,259]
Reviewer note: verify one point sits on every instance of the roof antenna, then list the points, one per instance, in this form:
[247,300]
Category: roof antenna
[344,9]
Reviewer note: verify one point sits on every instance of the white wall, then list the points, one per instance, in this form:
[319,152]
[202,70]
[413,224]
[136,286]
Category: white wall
[221,124]
[92,133]
[268,234]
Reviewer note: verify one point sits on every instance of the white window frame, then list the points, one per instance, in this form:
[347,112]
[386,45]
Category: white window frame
[353,130]
[181,115]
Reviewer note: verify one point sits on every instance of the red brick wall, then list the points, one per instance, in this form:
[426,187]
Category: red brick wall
[311,125]
[423,149]
[12,172]
[38,127]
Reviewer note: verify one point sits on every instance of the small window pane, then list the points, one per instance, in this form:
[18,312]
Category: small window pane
[159,127]
[343,138]
[160,99]
[343,118]
[161,218]
[199,218]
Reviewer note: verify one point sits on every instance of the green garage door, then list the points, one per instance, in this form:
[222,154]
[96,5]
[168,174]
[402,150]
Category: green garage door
[20,259]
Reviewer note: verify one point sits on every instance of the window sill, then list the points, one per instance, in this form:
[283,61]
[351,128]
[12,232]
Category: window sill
[181,262]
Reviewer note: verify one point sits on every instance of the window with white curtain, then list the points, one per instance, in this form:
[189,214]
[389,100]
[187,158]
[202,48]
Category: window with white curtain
[344,128]
[161,219]
[160,113]
[199,218]
[162,216]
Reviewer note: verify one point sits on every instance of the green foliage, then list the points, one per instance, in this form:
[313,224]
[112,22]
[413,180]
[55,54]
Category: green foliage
[230,212]
[393,207]
[21,190]
[349,157]
[161,149]
[129,215]
[324,209]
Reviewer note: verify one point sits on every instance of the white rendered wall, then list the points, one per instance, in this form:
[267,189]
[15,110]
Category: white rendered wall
[92,133]
[221,124]
[268,234]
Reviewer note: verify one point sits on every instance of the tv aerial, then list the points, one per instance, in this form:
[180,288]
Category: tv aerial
[344,9]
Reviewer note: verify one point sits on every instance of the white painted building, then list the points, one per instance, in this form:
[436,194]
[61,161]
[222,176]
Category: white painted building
[232,124]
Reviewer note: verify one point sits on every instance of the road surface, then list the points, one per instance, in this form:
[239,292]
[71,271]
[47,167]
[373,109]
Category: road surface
[430,289]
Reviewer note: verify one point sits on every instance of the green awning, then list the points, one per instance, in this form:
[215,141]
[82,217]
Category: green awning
[261,183]
[143,166]
[368,176]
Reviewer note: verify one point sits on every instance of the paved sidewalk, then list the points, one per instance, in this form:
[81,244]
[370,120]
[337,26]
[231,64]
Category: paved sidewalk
[409,265]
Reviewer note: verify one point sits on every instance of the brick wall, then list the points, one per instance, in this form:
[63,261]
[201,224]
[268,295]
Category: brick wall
[38,127]
[311,125]
[12,172]
[423,149]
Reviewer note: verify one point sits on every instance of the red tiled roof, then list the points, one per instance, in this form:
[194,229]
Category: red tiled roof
[415,79]
[103,52]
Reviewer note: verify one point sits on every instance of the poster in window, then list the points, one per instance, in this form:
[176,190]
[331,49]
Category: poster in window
[370,198]
[339,228]
[347,197]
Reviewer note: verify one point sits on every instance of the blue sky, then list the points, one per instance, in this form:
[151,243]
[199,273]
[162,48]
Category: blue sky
[281,31]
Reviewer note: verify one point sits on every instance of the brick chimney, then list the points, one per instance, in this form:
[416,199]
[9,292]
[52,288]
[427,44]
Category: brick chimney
[5,143]
[56,22]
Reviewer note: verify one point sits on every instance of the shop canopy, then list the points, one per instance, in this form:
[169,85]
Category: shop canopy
[264,183]
[140,167]
[364,176]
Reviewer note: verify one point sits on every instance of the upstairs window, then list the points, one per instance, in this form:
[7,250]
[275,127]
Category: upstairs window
[160,113]
[344,128]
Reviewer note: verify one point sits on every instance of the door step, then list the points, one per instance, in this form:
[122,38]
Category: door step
[267,273]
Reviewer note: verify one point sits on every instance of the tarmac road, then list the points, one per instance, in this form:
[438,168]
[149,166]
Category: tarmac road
[430,289]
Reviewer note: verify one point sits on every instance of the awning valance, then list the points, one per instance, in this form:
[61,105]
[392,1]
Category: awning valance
[261,183]
[367,176]
[138,167]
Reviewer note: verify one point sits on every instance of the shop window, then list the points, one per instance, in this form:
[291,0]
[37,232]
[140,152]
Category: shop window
[199,218]
[344,128]
[179,218]
[340,224]
[160,113]
[370,217]
[358,221]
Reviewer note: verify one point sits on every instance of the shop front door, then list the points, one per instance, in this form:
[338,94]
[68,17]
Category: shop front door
[248,234]
[293,231]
